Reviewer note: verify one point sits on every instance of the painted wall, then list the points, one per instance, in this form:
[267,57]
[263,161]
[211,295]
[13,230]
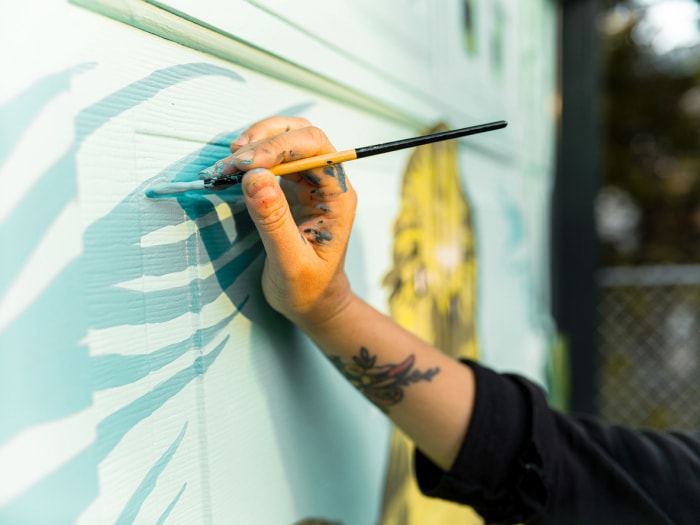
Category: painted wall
[142,377]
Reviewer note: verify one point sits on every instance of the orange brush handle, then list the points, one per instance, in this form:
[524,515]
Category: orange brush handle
[309,163]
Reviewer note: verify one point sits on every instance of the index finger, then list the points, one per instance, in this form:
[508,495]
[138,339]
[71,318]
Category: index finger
[292,152]
[273,149]
[266,128]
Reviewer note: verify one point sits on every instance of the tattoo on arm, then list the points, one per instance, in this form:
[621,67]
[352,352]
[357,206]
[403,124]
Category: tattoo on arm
[383,385]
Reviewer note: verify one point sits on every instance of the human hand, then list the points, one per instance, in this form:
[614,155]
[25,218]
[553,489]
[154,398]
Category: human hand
[304,219]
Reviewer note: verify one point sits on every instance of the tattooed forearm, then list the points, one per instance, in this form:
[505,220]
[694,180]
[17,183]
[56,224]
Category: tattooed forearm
[383,385]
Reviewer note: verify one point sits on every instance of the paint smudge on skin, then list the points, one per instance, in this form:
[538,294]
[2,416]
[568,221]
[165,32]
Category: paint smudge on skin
[323,207]
[319,236]
[317,192]
[337,171]
[312,179]
[219,169]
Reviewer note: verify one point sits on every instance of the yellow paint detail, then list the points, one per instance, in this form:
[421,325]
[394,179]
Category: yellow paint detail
[433,294]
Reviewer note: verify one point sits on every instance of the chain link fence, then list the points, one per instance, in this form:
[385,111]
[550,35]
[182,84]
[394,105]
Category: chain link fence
[649,344]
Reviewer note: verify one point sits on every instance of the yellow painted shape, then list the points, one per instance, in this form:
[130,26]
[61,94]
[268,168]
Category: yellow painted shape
[433,294]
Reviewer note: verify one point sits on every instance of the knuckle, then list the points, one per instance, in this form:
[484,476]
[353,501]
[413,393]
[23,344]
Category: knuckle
[303,122]
[318,135]
[276,148]
[276,125]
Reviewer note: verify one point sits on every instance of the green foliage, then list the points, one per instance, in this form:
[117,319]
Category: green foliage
[651,133]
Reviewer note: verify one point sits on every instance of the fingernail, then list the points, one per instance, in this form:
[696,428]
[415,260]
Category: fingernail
[242,140]
[245,158]
[255,180]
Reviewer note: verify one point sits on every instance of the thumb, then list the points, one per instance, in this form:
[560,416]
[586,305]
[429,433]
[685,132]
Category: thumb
[268,207]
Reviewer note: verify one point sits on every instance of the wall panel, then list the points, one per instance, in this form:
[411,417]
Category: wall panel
[143,379]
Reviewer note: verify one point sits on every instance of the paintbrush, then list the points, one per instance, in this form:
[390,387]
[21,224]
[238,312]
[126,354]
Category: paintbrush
[209,181]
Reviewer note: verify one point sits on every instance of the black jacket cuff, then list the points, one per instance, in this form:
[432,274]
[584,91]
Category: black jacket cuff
[500,469]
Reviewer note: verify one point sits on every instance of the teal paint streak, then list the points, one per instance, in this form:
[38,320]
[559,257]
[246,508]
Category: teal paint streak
[113,254]
[114,370]
[89,120]
[64,494]
[54,189]
[116,306]
[120,231]
[55,350]
[170,507]
[57,186]
[44,369]
[23,109]
[59,498]
[114,427]
[69,490]
[146,487]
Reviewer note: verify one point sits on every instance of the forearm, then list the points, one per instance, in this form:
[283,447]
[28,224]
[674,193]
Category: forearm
[304,224]
[426,393]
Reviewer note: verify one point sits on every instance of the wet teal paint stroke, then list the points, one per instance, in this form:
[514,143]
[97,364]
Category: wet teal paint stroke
[171,506]
[133,506]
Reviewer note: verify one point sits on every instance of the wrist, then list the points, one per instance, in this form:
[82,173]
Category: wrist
[328,313]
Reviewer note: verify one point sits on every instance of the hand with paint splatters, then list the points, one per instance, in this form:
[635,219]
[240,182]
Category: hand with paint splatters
[304,219]
[304,222]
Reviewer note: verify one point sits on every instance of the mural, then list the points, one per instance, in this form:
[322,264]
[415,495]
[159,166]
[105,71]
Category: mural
[57,354]
[117,281]
[143,379]
[432,293]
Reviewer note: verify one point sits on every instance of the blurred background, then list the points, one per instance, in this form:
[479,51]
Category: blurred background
[628,283]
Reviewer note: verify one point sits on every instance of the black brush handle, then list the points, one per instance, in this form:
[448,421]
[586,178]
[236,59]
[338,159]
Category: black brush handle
[368,151]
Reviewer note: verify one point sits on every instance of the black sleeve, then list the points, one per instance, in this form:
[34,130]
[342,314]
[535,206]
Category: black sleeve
[522,462]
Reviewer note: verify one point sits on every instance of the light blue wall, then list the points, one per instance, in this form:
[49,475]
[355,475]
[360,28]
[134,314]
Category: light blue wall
[143,379]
